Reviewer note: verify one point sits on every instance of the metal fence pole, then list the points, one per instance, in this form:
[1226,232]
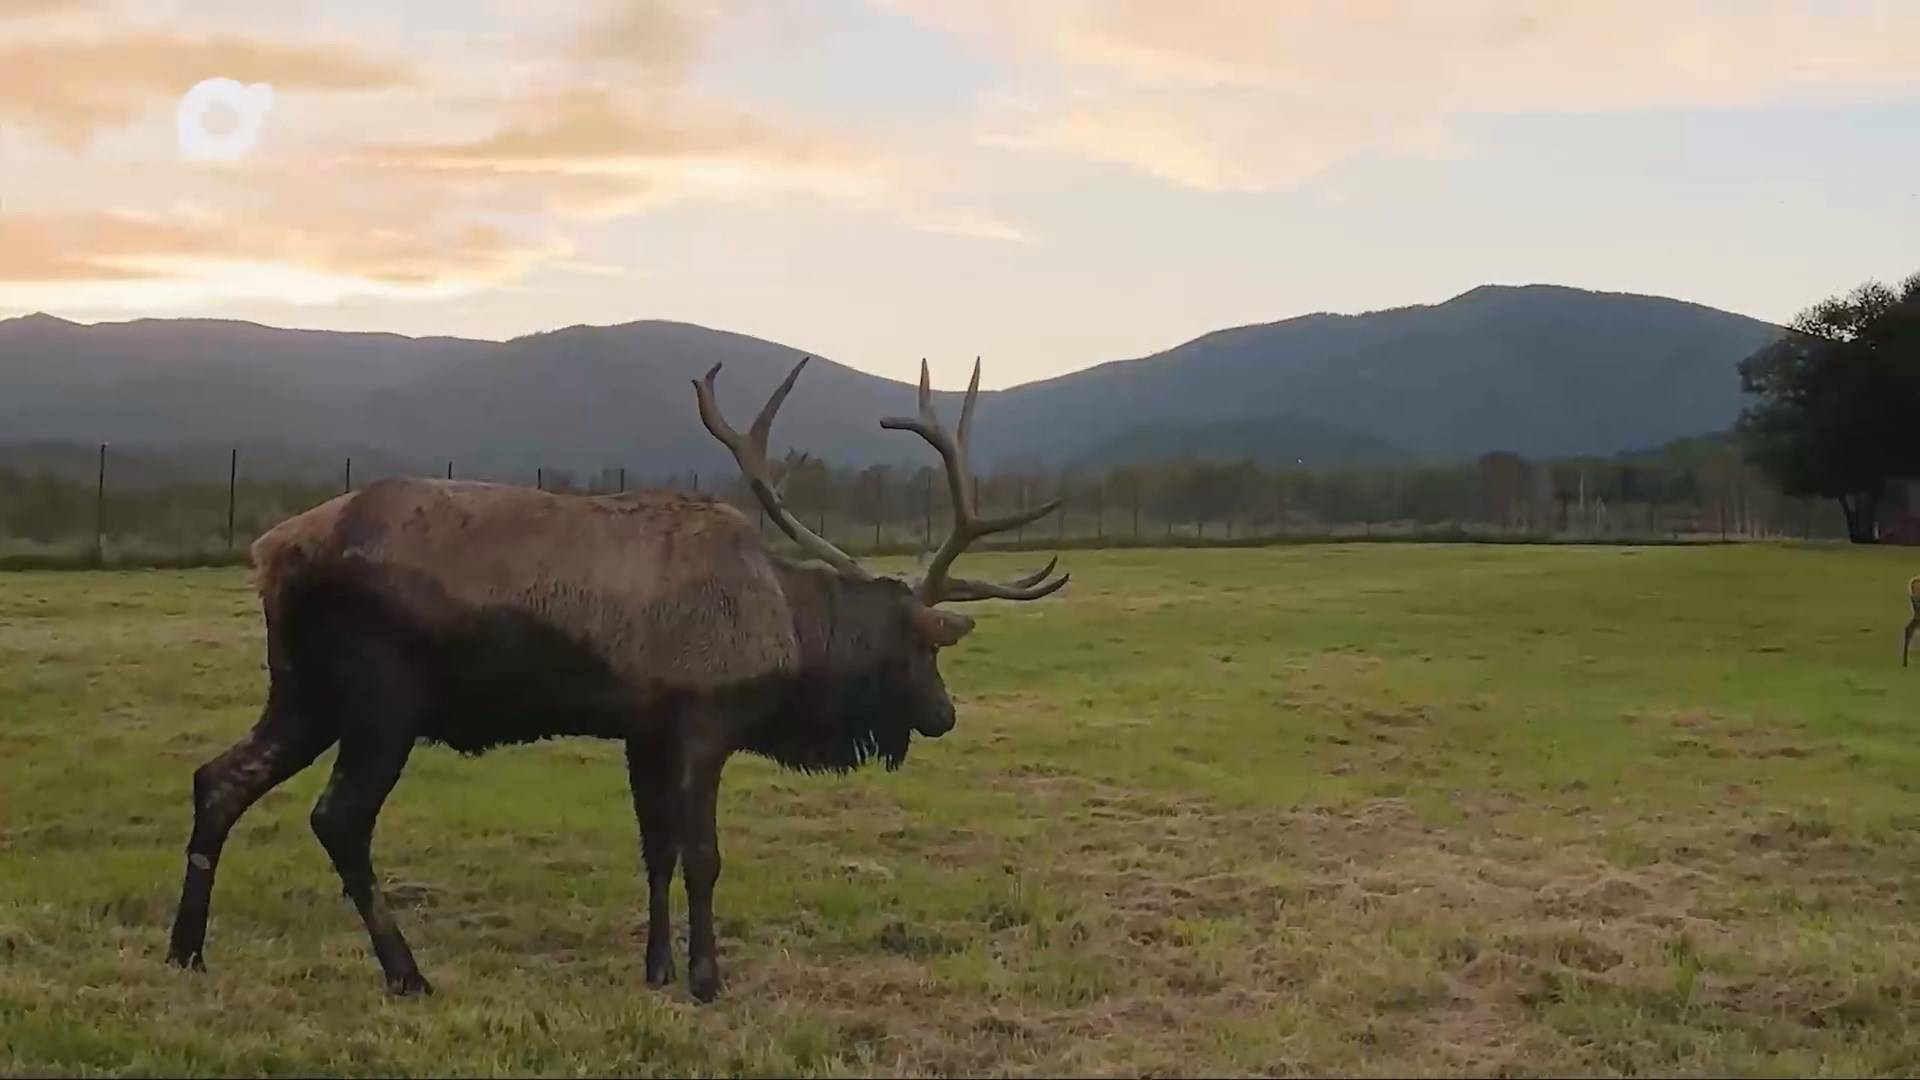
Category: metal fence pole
[233,478]
[100,510]
[347,484]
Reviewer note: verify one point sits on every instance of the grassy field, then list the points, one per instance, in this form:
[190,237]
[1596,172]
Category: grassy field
[1371,809]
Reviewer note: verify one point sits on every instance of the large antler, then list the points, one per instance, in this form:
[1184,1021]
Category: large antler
[937,584]
[751,454]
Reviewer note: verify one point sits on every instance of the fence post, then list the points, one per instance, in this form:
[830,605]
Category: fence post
[696,482]
[347,484]
[100,511]
[623,478]
[449,470]
[233,477]
[877,496]
[539,478]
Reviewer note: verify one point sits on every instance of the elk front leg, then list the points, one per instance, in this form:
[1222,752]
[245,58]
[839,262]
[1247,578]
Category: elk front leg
[364,774]
[1912,625]
[699,791]
[656,805]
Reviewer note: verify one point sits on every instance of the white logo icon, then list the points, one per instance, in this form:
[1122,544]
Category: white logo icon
[248,107]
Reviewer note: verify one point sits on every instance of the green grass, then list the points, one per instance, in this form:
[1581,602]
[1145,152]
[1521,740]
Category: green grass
[1357,809]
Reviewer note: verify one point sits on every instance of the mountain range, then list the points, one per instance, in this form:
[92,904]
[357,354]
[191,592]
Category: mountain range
[1541,370]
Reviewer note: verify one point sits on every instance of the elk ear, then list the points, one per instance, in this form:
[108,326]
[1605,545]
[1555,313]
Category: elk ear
[941,628]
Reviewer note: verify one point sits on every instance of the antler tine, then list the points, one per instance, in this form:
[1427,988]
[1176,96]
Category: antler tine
[763,424]
[1030,587]
[1037,576]
[934,585]
[751,455]
[716,424]
[966,410]
[963,589]
[793,466]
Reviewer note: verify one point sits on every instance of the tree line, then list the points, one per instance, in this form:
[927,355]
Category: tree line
[1695,488]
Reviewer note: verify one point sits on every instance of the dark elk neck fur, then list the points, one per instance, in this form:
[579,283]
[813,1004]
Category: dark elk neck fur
[851,700]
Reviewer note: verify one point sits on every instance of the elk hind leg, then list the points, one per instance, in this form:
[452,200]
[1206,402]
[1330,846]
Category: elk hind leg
[280,745]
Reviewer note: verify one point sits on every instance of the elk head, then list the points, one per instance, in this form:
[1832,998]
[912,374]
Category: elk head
[888,633]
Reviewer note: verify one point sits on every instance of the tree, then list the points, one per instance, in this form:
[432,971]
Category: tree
[1503,484]
[1838,413]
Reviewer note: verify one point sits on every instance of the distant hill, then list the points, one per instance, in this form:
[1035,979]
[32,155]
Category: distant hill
[1542,370]
[1268,440]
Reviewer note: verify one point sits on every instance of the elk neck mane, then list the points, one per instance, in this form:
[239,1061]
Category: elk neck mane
[840,706]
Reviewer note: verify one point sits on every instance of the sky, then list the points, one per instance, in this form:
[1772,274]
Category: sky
[1047,184]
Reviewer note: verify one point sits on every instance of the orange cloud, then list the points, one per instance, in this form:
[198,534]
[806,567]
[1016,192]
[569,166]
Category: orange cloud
[14,9]
[1228,95]
[54,252]
[588,131]
[587,153]
[68,89]
[1506,55]
[657,37]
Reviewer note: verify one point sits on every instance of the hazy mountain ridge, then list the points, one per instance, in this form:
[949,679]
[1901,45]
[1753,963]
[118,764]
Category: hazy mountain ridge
[1542,370]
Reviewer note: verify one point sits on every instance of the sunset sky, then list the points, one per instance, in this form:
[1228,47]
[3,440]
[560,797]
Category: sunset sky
[1047,184]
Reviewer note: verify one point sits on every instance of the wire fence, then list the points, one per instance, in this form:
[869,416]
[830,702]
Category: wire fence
[53,517]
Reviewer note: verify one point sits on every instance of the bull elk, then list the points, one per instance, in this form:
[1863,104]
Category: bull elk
[477,615]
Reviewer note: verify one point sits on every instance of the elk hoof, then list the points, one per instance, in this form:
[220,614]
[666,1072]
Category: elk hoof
[703,981]
[412,984]
[187,962]
[660,974]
